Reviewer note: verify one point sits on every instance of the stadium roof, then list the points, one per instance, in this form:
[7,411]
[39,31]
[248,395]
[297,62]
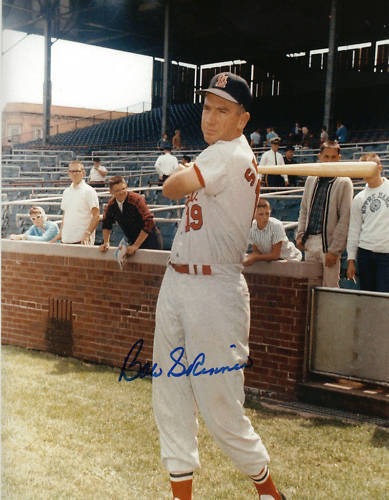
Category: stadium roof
[204,31]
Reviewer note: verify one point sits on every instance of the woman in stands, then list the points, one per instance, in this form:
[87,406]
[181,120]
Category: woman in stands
[41,229]
[268,238]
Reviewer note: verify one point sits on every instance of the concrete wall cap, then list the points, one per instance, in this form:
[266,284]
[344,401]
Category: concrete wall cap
[291,269]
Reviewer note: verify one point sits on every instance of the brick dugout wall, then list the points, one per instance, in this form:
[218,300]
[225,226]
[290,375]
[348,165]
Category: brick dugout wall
[75,301]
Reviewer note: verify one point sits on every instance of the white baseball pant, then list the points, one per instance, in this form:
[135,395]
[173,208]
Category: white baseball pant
[203,314]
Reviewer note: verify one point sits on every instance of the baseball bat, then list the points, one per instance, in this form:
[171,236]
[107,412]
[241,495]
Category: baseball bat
[327,169]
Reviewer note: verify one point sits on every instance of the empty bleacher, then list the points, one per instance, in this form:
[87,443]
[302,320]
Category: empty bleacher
[138,131]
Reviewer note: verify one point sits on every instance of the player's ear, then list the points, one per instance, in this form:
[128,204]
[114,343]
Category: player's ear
[243,119]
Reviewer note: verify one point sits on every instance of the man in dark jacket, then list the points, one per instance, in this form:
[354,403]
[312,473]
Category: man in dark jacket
[131,212]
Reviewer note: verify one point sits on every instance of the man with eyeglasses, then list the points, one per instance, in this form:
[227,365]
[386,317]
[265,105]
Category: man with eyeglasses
[80,206]
[133,215]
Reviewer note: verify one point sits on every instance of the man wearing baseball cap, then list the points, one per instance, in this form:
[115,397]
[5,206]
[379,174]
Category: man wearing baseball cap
[203,309]
[273,157]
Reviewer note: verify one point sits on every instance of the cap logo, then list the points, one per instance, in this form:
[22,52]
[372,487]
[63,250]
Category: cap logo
[221,81]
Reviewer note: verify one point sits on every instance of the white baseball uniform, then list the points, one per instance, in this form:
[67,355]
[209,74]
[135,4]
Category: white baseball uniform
[203,316]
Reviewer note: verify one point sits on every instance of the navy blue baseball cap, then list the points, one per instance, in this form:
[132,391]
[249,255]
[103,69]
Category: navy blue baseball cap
[232,87]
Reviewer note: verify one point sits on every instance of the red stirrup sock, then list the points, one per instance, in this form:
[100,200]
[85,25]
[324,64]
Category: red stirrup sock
[265,486]
[181,485]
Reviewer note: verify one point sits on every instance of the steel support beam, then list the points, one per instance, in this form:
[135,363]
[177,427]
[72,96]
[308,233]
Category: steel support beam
[330,86]
[47,74]
[166,72]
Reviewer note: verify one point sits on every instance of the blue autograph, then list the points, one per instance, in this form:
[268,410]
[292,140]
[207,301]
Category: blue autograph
[134,364]
[178,369]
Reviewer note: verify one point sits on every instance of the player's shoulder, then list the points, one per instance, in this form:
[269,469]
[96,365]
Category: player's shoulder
[215,152]
[240,147]
[226,152]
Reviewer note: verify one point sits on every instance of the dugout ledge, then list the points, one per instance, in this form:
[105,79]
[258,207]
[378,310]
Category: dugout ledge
[287,269]
[157,257]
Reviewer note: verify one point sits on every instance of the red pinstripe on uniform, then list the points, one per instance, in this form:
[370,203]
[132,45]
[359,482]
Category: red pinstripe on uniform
[257,187]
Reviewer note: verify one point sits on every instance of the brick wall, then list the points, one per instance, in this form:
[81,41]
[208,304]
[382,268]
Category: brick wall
[75,301]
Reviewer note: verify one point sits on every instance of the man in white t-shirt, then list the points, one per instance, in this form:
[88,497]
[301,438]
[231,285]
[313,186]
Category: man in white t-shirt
[97,173]
[268,238]
[80,206]
[273,157]
[368,234]
[166,164]
[203,306]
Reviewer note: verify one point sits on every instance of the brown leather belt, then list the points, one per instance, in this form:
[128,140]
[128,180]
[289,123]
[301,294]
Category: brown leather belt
[197,269]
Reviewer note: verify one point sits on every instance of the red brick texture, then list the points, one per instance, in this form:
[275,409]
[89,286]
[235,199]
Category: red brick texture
[111,309]
[277,334]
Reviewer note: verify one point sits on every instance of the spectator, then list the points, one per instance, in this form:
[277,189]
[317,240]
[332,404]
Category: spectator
[166,164]
[273,157]
[131,212]
[255,139]
[80,206]
[323,135]
[41,229]
[270,134]
[368,235]
[305,138]
[296,134]
[289,160]
[314,142]
[164,142]
[97,173]
[341,133]
[185,162]
[177,141]
[324,217]
[268,238]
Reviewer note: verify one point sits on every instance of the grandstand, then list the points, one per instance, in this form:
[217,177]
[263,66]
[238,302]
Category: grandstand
[138,131]
[37,176]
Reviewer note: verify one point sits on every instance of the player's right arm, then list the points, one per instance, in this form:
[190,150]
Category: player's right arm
[182,183]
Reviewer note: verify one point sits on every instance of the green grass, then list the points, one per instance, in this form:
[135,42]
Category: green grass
[71,431]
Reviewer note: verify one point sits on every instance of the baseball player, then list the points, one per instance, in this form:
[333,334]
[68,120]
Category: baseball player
[203,310]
